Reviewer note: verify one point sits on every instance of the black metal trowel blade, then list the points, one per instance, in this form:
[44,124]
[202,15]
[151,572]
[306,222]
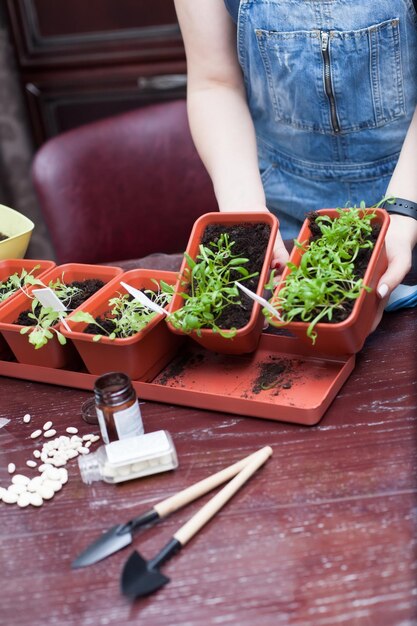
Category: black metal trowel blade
[115,539]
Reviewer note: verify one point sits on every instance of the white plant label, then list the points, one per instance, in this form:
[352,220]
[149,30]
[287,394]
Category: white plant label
[143,299]
[259,299]
[48,298]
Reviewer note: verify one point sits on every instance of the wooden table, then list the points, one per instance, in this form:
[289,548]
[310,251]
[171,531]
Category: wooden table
[324,534]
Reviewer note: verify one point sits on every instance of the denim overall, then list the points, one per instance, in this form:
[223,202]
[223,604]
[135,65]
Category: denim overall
[332,87]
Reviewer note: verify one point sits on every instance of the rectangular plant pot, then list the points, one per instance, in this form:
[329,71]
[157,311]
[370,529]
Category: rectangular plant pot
[348,336]
[8,267]
[141,355]
[247,337]
[53,354]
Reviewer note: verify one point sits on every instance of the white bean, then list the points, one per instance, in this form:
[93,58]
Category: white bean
[20,479]
[49,433]
[55,485]
[45,492]
[26,418]
[44,466]
[37,454]
[63,475]
[11,468]
[24,500]
[9,497]
[52,473]
[34,484]
[36,433]
[47,425]
[31,463]
[59,462]
[72,430]
[17,489]
[35,499]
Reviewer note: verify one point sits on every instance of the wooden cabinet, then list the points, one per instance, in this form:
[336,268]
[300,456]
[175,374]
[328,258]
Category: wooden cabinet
[83,60]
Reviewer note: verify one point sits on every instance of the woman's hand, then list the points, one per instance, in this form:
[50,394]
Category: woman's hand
[400,240]
[281,255]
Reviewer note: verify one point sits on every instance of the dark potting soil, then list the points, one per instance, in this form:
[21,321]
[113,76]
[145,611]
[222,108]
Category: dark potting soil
[3,237]
[88,288]
[250,241]
[106,322]
[360,265]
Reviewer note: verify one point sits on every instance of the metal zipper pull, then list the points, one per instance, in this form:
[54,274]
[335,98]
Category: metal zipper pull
[324,40]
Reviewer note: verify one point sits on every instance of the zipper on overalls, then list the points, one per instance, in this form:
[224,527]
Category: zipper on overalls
[328,80]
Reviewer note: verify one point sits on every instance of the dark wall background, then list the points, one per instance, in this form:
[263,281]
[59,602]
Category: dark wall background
[16,146]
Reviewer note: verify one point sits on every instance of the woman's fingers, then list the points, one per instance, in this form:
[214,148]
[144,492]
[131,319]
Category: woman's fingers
[281,255]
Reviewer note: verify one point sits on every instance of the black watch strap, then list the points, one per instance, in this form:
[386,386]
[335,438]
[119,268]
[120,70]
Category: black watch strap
[402,207]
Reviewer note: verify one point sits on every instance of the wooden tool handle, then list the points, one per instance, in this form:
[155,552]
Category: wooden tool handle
[186,532]
[180,499]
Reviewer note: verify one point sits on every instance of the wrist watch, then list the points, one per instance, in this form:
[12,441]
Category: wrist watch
[402,207]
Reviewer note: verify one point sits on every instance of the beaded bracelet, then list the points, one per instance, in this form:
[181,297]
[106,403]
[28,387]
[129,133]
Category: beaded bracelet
[402,207]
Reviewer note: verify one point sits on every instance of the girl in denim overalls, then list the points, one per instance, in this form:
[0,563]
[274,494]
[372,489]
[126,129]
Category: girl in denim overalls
[296,105]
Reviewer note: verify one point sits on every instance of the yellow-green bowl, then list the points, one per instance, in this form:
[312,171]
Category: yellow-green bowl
[18,230]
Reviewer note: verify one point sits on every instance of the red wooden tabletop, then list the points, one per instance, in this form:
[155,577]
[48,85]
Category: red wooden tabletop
[323,534]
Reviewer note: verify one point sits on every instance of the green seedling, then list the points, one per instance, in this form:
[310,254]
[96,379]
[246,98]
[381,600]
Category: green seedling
[46,317]
[66,293]
[325,281]
[127,316]
[18,281]
[211,287]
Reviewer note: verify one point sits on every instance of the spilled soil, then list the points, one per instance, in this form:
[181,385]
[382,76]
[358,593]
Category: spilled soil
[274,374]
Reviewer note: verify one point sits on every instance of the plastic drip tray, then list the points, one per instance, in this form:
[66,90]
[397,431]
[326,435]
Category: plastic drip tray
[282,380]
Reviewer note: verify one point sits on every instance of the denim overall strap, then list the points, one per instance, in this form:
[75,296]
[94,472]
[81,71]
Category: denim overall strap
[332,86]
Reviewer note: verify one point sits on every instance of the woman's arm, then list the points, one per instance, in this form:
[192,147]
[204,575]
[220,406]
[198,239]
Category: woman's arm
[402,233]
[219,117]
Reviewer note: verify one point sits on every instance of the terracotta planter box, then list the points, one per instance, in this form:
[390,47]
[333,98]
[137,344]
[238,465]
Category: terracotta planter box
[348,336]
[53,354]
[140,356]
[247,337]
[9,267]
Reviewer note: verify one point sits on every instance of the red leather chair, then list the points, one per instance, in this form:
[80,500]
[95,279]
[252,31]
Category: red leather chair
[123,187]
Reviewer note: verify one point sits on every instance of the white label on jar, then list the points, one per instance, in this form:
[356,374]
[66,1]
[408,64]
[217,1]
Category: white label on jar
[128,422]
[102,424]
[151,445]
